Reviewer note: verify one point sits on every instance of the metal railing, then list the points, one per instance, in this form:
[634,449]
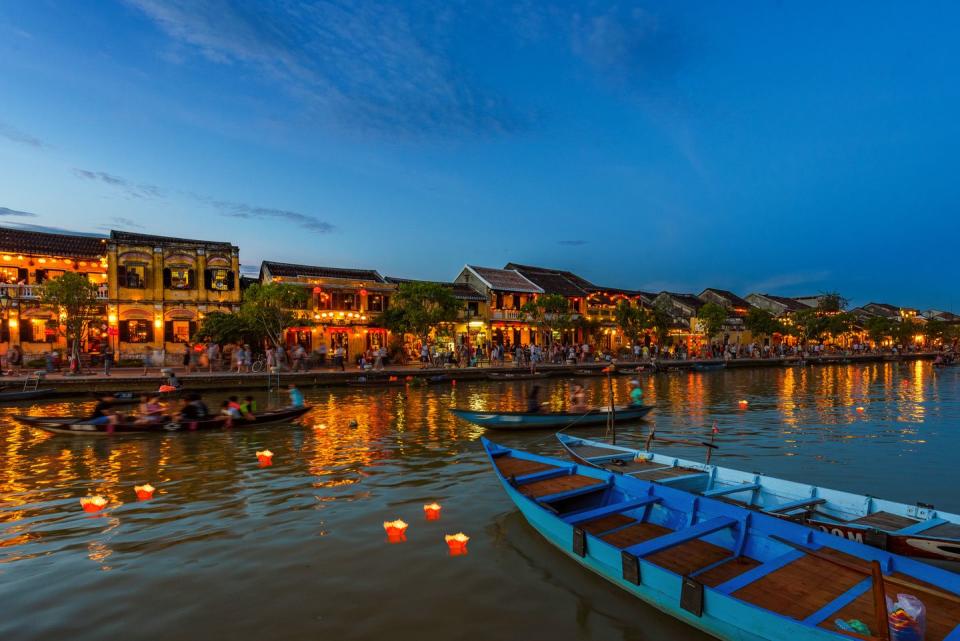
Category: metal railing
[33,292]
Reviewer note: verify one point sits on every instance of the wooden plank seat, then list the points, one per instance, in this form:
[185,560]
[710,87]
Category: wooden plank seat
[945,531]
[634,534]
[510,466]
[732,489]
[802,504]
[612,508]
[551,486]
[665,473]
[885,521]
[606,523]
[587,451]
[702,551]
[677,537]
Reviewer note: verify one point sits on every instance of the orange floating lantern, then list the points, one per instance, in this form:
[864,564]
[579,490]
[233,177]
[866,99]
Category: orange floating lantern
[743,404]
[396,530]
[457,543]
[432,511]
[860,410]
[144,492]
[93,503]
[265,457]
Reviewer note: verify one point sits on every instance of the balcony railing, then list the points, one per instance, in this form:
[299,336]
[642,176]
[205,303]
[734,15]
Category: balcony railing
[33,292]
[508,314]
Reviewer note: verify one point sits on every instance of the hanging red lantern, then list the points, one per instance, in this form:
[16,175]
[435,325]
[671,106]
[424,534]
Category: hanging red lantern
[93,503]
[392,379]
[144,492]
[363,292]
[457,543]
[317,290]
[432,511]
[265,457]
[396,530]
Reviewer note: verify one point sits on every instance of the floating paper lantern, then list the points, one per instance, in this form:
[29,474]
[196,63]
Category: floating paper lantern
[396,530]
[860,410]
[265,457]
[457,543]
[93,503]
[743,403]
[144,492]
[432,511]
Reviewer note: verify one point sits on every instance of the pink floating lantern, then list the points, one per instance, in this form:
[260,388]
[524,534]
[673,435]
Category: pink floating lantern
[93,503]
[265,457]
[396,530]
[432,511]
[457,543]
[144,492]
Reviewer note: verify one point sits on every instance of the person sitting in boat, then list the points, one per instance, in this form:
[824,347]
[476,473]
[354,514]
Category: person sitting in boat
[173,381]
[578,398]
[533,399]
[230,413]
[296,396]
[636,393]
[248,407]
[103,412]
[234,403]
[194,407]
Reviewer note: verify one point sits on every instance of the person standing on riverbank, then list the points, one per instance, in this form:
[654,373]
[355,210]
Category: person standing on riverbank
[107,360]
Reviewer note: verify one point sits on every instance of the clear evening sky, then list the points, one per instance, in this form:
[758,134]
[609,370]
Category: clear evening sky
[788,147]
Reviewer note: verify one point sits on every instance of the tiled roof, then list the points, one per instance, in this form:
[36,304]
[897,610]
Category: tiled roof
[554,281]
[288,270]
[948,317]
[20,241]
[731,298]
[150,239]
[686,299]
[506,280]
[891,310]
[461,291]
[789,304]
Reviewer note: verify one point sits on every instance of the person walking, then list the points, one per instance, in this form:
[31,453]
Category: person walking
[107,360]
[186,357]
[338,357]
[213,356]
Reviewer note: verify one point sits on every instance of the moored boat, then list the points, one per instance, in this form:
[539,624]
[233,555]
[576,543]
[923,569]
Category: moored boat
[517,376]
[708,367]
[911,530]
[729,571]
[550,420]
[27,395]
[85,426]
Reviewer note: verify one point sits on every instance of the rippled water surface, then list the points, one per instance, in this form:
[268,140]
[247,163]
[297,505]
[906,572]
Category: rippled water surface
[230,550]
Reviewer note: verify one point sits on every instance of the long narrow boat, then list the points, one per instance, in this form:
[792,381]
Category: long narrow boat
[549,420]
[911,530]
[516,376]
[68,425]
[708,367]
[729,571]
[26,395]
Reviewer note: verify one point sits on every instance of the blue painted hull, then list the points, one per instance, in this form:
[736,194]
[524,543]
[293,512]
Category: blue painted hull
[556,517]
[548,420]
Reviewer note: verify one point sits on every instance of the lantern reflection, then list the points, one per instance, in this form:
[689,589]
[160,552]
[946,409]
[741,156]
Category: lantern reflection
[432,511]
[144,492]
[457,543]
[93,503]
[396,530]
[265,457]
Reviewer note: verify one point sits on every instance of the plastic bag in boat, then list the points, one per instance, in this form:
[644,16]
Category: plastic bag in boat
[907,617]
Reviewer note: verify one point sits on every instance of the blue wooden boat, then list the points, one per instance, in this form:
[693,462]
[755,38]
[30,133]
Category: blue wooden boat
[550,420]
[729,571]
[910,530]
[709,367]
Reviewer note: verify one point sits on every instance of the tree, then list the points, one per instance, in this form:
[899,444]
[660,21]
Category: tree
[714,317]
[73,298]
[418,308]
[838,323]
[633,321]
[831,302]
[878,329]
[270,309]
[760,322]
[936,330]
[551,312]
[661,319]
[222,327]
[810,324]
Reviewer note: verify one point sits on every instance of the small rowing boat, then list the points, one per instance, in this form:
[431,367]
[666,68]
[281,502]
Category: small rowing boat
[911,530]
[550,420]
[84,426]
[734,573]
[708,367]
[518,376]
[26,395]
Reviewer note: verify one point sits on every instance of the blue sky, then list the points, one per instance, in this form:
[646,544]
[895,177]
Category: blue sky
[793,148]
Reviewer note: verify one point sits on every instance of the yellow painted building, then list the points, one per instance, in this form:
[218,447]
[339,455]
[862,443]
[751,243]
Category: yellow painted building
[160,288]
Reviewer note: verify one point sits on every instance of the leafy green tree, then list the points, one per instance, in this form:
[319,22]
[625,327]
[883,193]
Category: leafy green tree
[810,324]
[551,312]
[936,330]
[222,327]
[878,329]
[838,323]
[661,319]
[760,322]
[74,299]
[270,309]
[418,308]
[713,316]
[831,302]
[633,321]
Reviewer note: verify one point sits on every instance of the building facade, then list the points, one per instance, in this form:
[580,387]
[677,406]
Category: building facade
[506,291]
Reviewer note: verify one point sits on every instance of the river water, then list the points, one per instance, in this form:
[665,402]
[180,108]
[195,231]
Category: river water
[229,550]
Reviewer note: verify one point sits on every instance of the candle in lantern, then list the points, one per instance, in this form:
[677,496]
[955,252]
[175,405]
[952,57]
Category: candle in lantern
[396,530]
[93,503]
[860,410]
[265,457]
[743,403]
[432,511]
[457,543]
[144,492]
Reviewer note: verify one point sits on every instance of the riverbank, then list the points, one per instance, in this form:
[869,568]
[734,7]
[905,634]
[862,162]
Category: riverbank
[133,379]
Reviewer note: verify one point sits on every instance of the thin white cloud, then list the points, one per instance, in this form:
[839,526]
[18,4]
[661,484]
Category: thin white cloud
[13,134]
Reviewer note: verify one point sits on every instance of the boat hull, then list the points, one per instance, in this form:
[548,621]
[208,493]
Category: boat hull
[27,395]
[84,428]
[548,420]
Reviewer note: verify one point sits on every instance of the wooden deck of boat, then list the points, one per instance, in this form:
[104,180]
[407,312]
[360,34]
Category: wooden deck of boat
[586,451]
[606,523]
[510,466]
[945,531]
[885,521]
[536,489]
[637,533]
